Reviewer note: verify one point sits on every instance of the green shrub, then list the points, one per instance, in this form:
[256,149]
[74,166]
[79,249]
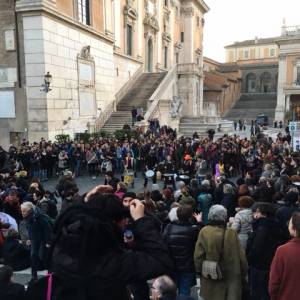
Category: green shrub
[62,138]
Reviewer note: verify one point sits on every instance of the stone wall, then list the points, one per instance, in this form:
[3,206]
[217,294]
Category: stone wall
[53,46]
[12,130]
[125,67]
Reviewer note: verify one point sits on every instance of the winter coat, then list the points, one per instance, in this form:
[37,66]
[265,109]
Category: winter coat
[229,202]
[99,268]
[267,235]
[284,274]
[15,254]
[181,239]
[208,247]
[39,228]
[243,225]
[204,201]
[12,291]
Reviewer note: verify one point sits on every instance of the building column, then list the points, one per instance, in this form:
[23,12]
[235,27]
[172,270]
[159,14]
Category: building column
[288,103]
[280,107]
[188,44]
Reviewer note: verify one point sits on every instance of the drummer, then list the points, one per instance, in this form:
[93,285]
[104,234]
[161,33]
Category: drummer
[151,162]
[188,166]
[169,168]
[129,163]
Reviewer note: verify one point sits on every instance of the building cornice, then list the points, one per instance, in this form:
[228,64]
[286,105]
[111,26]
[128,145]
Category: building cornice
[203,6]
[45,8]
[140,61]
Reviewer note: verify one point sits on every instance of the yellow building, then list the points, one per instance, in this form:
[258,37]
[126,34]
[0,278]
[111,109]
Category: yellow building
[288,97]
[252,51]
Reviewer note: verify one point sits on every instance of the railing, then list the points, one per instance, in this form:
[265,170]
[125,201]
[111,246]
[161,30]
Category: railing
[125,88]
[110,108]
[153,108]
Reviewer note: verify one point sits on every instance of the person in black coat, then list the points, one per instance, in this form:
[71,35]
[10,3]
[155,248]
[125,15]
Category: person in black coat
[15,254]
[88,259]
[267,235]
[40,236]
[284,213]
[8,289]
[181,238]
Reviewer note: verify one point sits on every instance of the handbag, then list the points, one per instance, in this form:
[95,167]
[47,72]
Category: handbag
[213,269]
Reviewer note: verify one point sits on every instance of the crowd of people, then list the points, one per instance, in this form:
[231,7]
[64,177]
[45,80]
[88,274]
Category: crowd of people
[225,211]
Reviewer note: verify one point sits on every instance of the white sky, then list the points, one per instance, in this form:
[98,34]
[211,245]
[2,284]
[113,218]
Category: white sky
[236,20]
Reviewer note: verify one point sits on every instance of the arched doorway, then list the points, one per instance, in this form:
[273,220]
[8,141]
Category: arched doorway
[265,82]
[250,83]
[150,56]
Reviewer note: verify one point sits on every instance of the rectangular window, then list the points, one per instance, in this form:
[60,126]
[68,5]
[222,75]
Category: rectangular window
[84,11]
[272,52]
[198,61]
[246,54]
[166,2]
[182,37]
[129,39]
[166,57]
[198,21]
[298,76]
[177,58]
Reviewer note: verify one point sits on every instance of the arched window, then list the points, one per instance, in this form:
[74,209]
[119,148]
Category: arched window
[250,83]
[150,56]
[265,82]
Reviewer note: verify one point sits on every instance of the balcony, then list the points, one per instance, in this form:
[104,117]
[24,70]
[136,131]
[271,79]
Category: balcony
[292,88]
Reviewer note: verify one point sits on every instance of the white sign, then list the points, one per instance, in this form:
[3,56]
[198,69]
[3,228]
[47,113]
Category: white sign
[87,103]
[7,104]
[296,143]
[10,40]
[293,126]
[85,72]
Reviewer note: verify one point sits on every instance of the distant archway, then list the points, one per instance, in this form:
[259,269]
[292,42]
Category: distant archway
[150,56]
[251,83]
[265,82]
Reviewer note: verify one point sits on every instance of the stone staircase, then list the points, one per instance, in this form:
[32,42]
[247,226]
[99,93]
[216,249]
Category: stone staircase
[137,96]
[201,125]
[249,106]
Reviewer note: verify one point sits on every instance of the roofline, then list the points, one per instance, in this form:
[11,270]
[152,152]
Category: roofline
[239,44]
[211,60]
[204,5]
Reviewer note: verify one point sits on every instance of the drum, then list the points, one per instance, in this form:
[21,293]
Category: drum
[168,178]
[129,177]
[185,178]
[149,174]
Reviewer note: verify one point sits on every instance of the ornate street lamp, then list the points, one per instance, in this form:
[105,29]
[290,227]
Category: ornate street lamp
[47,82]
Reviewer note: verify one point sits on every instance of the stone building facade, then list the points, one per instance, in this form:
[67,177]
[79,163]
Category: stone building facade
[92,48]
[288,96]
[257,60]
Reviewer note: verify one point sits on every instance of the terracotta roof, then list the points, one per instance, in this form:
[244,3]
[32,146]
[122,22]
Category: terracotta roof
[254,42]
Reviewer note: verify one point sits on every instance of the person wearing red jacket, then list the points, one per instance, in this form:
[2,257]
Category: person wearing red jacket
[284,273]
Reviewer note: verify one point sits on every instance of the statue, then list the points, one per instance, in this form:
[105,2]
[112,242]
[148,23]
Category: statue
[176,107]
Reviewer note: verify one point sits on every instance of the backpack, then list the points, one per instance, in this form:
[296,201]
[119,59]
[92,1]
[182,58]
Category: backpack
[52,209]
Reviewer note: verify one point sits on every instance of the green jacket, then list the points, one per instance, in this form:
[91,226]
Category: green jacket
[208,247]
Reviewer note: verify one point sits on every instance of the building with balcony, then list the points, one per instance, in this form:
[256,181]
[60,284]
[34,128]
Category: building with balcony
[288,97]
[96,51]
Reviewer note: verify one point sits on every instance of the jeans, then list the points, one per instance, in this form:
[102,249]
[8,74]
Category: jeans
[36,173]
[259,284]
[37,257]
[77,167]
[184,283]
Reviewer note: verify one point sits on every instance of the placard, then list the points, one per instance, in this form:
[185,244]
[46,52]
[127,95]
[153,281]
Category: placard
[85,72]
[87,103]
[7,104]
[10,40]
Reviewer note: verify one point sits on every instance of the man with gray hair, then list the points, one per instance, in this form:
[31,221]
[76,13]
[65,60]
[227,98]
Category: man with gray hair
[40,236]
[164,288]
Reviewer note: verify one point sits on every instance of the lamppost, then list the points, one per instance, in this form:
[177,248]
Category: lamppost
[47,82]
